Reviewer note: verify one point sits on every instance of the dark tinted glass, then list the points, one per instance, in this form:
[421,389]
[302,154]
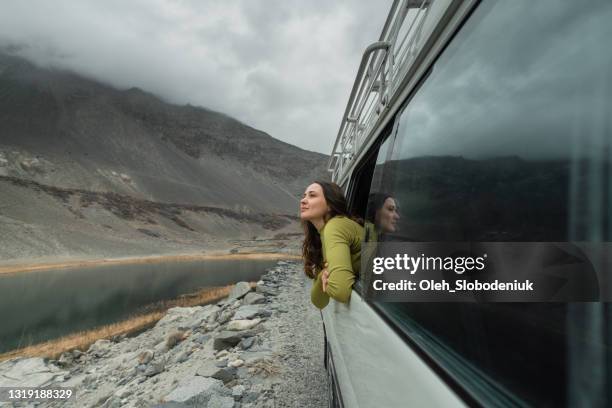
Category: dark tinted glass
[509,138]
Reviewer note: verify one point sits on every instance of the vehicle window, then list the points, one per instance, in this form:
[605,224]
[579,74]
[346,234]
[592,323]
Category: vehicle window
[374,202]
[376,194]
[509,139]
[359,188]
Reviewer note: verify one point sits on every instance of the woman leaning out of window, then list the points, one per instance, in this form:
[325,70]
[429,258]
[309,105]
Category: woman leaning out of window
[332,243]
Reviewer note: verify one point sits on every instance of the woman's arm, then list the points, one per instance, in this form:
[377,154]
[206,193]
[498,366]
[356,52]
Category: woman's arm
[338,253]
[318,298]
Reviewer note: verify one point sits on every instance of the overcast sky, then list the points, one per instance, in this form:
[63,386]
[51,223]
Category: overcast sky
[283,66]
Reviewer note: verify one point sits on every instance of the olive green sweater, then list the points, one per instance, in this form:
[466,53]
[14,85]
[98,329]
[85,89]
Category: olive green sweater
[341,241]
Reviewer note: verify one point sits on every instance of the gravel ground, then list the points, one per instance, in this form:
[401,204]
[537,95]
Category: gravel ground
[299,332]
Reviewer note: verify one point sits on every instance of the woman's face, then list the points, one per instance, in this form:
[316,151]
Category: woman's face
[313,205]
[387,216]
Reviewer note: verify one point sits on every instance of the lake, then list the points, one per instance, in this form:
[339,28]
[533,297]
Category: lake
[42,305]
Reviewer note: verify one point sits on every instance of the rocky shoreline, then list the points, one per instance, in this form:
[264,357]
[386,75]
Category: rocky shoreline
[259,347]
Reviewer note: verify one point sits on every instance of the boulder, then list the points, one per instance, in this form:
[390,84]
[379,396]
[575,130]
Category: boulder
[211,326]
[29,372]
[212,317]
[31,165]
[250,312]
[182,357]
[154,368]
[65,359]
[197,391]
[225,374]
[227,339]
[250,396]
[146,356]
[100,348]
[239,291]
[208,369]
[124,392]
[225,316]
[244,324]
[160,348]
[236,363]
[218,401]
[186,317]
[254,298]
[238,391]
[266,290]
[201,338]
[246,343]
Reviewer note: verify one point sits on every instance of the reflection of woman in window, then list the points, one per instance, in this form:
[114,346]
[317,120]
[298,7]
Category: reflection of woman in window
[382,215]
[381,218]
[332,239]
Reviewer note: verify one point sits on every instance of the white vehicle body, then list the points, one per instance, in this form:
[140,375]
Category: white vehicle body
[373,366]
[375,361]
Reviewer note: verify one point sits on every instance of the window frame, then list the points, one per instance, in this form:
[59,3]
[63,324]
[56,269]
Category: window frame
[362,168]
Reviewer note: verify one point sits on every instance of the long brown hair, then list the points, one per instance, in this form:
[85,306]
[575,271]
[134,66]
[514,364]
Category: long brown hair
[312,250]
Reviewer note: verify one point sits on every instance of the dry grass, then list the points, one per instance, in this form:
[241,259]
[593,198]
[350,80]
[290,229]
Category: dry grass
[151,315]
[21,268]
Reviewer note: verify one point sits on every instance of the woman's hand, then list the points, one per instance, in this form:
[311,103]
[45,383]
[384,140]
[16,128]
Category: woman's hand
[324,277]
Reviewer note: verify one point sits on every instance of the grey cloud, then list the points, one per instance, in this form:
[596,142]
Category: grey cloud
[283,66]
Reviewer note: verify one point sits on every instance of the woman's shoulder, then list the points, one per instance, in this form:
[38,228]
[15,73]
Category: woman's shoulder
[341,222]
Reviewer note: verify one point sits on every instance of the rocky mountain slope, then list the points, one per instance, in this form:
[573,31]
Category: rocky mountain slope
[63,131]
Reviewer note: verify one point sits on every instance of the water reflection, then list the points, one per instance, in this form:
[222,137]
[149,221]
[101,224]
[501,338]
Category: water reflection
[37,306]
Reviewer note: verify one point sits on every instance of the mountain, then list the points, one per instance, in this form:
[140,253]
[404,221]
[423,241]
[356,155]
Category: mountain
[81,131]
[66,136]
